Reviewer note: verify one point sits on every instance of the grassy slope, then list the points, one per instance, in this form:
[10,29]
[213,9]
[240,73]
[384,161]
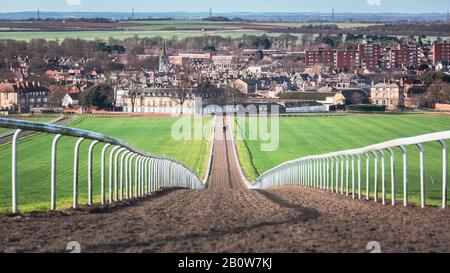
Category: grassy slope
[152,135]
[316,135]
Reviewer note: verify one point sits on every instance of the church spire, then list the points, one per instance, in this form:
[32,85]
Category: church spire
[164,48]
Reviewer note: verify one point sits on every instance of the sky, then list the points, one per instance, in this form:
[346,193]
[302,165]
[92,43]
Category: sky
[378,6]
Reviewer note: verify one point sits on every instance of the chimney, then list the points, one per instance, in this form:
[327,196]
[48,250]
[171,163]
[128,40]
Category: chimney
[39,84]
[32,84]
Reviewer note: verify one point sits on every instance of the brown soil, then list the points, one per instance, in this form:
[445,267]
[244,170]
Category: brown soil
[228,218]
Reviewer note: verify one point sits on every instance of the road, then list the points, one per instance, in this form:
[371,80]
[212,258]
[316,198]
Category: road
[229,218]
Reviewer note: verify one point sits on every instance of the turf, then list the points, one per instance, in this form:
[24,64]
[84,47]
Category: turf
[34,155]
[303,136]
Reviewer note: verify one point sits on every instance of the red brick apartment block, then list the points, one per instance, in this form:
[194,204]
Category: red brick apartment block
[404,56]
[321,56]
[346,59]
[369,55]
[441,52]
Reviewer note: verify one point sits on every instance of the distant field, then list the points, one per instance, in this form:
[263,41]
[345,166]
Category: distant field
[34,153]
[167,29]
[105,35]
[318,135]
[340,25]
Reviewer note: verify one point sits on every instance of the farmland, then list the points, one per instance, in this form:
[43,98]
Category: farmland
[34,153]
[123,34]
[169,29]
[318,135]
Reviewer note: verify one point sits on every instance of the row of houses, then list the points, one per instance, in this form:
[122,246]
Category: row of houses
[23,97]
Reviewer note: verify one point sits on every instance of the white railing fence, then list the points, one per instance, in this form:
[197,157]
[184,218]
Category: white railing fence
[333,171]
[150,172]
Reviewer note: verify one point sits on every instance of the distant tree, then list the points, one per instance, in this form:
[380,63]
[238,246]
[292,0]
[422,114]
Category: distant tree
[113,80]
[57,93]
[432,77]
[6,74]
[186,84]
[259,55]
[134,86]
[100,96]
[439,92]
[210,48]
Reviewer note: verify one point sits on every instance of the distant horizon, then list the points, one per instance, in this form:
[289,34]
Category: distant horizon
[230,6]
[225,12]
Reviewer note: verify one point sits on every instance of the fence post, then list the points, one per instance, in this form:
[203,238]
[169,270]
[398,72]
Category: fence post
[122,163]
[342,174]
[332,160]
[111,168]
[367,176]
[126,174]
[359,176]
[444,173]
[391,152]
[405,176]
[383,177]
[327,174]
[353,176]
[346,174]
[53,178]
[14,171]
[102,170]
[91,148]
[422,175]
[375,184]
[116,158]
[136,173]
[75,172]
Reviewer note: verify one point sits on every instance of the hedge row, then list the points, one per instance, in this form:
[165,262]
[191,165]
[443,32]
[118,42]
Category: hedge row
[305,96]
[366,108]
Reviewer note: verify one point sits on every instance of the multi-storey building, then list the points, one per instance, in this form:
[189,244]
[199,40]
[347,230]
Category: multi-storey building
[441,52]
[32,97]
[404,56]
[369,55]
[346,59]
[321,56]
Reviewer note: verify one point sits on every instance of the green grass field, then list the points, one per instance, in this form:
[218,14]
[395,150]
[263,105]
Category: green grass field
[34,154]
[305,136]
[105,35]
[294,24]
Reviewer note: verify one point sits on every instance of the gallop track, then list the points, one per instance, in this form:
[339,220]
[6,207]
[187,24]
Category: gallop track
[229,218]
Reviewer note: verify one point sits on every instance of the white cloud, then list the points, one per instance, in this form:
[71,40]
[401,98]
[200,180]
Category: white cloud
[73,2]
[374,2]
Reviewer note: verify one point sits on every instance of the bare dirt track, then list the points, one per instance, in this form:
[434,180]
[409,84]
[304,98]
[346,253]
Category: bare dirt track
[228,218]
